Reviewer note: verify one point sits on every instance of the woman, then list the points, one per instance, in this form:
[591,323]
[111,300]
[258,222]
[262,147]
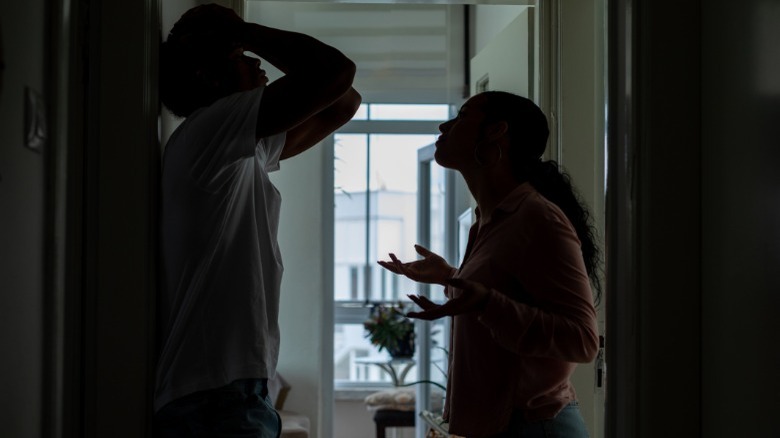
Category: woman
[521,301]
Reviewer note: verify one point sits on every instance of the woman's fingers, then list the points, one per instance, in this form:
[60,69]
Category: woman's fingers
[393,265]
[431,314]
[423,251]
[400,266]
[389,266]
[423,302]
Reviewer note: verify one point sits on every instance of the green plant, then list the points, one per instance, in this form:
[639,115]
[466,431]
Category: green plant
[389,328]
[438,367]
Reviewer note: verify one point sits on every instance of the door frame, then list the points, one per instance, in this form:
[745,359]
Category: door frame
[101,219]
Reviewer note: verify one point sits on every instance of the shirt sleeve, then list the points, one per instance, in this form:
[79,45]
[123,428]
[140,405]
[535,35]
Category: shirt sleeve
[272,147]
[222,134]
[561,320]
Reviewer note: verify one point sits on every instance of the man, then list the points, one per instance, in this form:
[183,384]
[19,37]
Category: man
[221,264]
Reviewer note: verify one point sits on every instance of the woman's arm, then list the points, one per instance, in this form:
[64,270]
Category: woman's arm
[561,322]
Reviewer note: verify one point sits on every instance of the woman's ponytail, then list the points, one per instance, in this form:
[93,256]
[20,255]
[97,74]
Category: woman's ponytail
[555,185]
[528,133]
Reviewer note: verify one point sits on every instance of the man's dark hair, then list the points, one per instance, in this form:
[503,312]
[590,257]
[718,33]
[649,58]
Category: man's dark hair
[193,61]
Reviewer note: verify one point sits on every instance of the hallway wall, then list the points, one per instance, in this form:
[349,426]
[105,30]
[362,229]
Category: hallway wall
[740,218]
[703,86]
[22,240]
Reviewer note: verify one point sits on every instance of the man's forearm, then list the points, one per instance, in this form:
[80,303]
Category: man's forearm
[293,51]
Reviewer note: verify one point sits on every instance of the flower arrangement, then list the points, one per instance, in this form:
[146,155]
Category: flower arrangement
[389,328]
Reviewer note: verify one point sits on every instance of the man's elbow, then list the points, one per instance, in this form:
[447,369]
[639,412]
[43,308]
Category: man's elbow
[352,100]
[345,74]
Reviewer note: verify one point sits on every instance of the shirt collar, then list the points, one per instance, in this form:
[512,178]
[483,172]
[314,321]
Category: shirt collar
[511,202]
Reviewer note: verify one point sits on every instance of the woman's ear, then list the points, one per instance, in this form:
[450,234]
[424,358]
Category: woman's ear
[497,130]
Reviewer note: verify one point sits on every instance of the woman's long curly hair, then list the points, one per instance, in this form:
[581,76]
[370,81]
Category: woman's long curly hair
[528,132]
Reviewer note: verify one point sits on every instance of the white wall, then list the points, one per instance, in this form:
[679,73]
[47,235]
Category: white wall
[22,214]
[170,12]
[581,120]
[488,20]
[352,420]
[306,310]
[506,60]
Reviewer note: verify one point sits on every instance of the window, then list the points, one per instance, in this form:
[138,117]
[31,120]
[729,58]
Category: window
[375,213]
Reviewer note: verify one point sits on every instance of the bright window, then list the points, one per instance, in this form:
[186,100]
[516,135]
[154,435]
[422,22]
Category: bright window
[375,202]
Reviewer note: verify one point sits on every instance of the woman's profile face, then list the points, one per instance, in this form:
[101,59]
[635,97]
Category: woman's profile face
[459,136]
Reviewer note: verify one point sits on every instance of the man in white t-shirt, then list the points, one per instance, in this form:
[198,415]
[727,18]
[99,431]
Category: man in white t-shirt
[221,266]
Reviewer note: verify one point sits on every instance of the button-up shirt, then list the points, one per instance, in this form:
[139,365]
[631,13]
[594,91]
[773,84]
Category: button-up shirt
[520,350]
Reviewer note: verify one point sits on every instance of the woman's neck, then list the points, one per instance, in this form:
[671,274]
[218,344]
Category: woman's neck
[489,189]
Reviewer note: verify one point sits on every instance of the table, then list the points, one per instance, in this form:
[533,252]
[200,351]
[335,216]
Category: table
[397,368]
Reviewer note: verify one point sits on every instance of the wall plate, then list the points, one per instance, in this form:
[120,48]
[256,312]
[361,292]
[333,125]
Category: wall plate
[35,125]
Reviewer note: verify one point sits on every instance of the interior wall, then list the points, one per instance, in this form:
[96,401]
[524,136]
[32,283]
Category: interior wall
[355,421]
[581,119]
[507,60]
[170,11]
[22,214]
[740,218]
[304,320]
[488,20]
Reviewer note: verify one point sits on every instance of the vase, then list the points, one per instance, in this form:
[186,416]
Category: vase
[404,349]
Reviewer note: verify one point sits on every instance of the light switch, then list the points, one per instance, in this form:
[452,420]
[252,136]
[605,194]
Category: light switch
[35,124]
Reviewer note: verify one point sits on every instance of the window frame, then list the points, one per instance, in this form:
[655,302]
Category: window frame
[356,311]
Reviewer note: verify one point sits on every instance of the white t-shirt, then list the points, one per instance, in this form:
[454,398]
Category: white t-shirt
[221,266]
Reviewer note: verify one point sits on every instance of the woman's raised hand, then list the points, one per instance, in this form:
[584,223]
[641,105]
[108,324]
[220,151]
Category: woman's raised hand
[431,269]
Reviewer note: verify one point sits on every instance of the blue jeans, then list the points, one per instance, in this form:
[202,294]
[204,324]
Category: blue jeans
[567,424]
[240,409]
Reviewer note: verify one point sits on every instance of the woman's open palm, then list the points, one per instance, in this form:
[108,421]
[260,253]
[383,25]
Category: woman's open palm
[431,269]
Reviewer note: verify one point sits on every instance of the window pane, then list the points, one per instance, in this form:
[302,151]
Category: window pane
[375,191]
[383,111]
[362,112]
[390,207]
[349,169]
[394,161]
[439,351]
[350,162]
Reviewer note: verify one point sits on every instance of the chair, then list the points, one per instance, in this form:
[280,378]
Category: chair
[392,408]
[294,425]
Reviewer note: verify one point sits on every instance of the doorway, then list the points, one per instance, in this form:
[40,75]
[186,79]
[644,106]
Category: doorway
[570,90]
